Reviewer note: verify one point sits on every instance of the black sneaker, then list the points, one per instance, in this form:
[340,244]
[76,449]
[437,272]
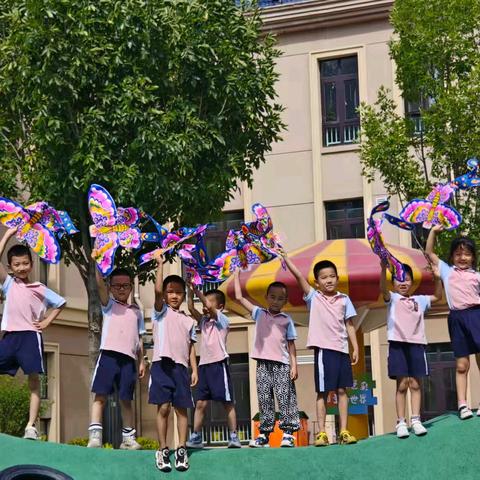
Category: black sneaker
[162,460]
[181,459]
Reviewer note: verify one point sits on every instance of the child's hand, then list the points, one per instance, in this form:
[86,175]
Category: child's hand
[158,256]
[42,325]
[10,232]
[354,357]
[438,228]
[141,369]
[194,380]
[383,264]
[293,372]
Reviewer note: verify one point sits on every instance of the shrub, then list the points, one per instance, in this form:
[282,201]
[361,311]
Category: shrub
[14,406]
[78,441]
[148,443]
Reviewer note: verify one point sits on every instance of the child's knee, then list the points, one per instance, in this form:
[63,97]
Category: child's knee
[201,405]
[101,399]
[414,384]
[463,365]
[164,409]
[403,384]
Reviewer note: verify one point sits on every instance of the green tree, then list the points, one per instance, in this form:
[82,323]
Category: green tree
[167,103]
[436,49]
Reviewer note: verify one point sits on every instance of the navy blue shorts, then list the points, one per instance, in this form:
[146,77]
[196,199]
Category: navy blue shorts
[115,370]
[214,382]
[169,383]
[407,360]
[21,350]
[464,329]
[333,370]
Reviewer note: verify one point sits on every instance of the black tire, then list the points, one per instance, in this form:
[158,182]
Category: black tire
[33,472]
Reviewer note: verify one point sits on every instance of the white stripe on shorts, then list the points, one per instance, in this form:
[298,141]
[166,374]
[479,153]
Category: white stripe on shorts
[426,363]
[225,382]
[95,371]
[321,371]
[39,340]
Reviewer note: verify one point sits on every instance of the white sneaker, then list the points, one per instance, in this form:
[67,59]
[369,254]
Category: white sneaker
[478,412]
[130,443]
[402,430]
[31,433]
[162,460]
[464,412]
[288,441]
[418,429]
[95,438]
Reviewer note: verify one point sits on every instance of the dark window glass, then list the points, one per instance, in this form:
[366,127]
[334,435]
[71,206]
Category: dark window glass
[345,219]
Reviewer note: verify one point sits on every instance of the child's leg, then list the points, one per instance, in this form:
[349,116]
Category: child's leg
[401,396]
[231,416]
[200,408]
[97,409]
[34,386]
[266,401]
[163,411]
[182,425]
[321,410]
[127,413]
[461,379]
[286,399]
[416,395]
[342,408]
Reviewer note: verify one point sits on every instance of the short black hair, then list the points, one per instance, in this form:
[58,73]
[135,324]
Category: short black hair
[408,270]
[173,279]
[19,251]
[121,272]
[277,285]
[219,295]
[466,243]
[323,264]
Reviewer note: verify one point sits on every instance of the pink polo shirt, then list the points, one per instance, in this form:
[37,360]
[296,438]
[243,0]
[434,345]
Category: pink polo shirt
[26,303]
[173,332]
[272,333]
[405,318]
[462,287]
[214,338]
[122,326]
[328,315]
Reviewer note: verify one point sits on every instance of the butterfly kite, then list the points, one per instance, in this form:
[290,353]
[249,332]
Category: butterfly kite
[37,225]
[113,227]
[377,243]
[432,210]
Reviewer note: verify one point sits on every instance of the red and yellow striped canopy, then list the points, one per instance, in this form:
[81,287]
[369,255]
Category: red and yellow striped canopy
[358,270]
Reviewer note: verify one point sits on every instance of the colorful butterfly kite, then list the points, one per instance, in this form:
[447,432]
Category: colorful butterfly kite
[377,243]
[37,225]
[471,178]
[432,211]
[169,241]
[113,227]
[196,263]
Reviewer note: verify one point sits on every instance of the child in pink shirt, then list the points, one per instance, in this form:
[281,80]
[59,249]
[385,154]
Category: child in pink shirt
[173,350]
[23,320]
[214,379]
[329,329]
[462,289]
[407,359]
[276,355]
[121,345]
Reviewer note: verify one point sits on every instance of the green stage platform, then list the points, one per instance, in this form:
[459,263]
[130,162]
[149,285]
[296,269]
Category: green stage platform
[449,451]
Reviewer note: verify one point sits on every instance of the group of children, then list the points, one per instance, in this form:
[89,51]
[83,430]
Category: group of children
[30,307]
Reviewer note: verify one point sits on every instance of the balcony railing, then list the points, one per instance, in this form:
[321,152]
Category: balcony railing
[274,3]
[341,134]
[218,434]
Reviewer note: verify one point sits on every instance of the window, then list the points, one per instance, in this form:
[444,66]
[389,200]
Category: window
[217,232]
[345,219]
[413,111]
[340,100]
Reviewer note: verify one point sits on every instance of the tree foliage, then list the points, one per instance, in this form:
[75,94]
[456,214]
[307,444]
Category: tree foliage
[167,103]
[436,49]
[14,406]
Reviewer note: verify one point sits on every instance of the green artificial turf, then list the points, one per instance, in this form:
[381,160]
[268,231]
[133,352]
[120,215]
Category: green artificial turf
[449,451]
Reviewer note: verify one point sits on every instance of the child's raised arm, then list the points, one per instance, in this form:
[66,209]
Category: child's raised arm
[101,287]
[431,244]
[238,293]
[437,294]
[301,280]
[3,243]
[191,305]
[383,282]
[159,301]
